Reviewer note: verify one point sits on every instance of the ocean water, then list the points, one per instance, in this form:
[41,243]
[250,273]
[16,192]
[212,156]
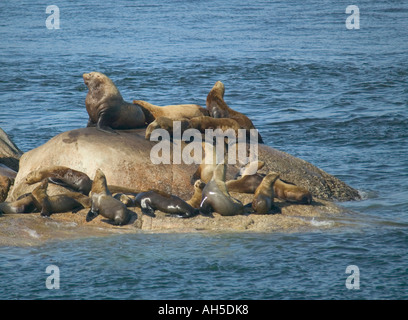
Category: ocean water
[335,97]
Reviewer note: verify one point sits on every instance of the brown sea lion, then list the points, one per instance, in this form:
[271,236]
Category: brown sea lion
[206,168]
[264,194]
[67,177]
[153,200]
[71,179]
[24,204]
[72,201]
[173,112]
[106,108]
[195,200]
[166,124]
[249,180]
[290,192]
[218,108]
[104,204]
[215,196]
[200,123]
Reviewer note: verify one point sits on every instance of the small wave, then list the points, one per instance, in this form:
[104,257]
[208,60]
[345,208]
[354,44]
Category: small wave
[367,194]
[323,223]
[32,233]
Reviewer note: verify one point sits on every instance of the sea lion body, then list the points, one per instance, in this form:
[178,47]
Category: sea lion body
[215,196]
[64,176]
[264,194]
[218,108]
[173,112]
[105,106]
[102,202]
[23,205]
[151,201]
[249,180]
[290,192]
[48,205]
[245,184]
[195,200]
[165,124]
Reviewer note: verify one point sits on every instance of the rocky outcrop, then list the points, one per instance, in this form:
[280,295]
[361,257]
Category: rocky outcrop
[125,159]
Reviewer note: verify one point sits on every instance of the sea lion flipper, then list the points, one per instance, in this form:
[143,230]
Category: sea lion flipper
[103,121]
[91,215]
[149,211]
[61,182]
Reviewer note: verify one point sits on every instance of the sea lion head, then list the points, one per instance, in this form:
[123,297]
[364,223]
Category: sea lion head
[219,88]
[99,184]
[101,90]
[199,184]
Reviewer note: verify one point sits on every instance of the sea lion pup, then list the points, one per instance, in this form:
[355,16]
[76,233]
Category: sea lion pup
[292,193]
[195,200]
[47,205]
[24,204]
[174,112]
[67,177]
[104,204]
[152,200]
[106,108]
[264,194]
[215,196]
[219,109]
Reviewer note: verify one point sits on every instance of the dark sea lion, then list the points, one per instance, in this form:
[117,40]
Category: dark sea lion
[218,108]
[67,177]
[195,200]
[25,204]
[153,200]
[106,108]
[173,112]
[215,196]
[264,194]
[104,204]
[48,205]
[290,192]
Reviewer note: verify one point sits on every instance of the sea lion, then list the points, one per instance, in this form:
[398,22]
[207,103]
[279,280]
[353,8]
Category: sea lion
[47,205]
[72,179]
[204,122]
[104,204]
[215,196]
[106,108]
[195,200]
[24,204]
[67,177]
[206,168]
[218,108]
[166,124]
[173,112]
[249,181]
[292,193]
[200,123]
[152,200]
[127,199]
[264,194]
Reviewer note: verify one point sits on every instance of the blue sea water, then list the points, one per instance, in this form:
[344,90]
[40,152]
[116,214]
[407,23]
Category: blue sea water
[335,97]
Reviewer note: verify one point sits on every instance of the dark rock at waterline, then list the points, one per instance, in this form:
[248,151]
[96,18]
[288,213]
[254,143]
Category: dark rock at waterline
[9,152]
